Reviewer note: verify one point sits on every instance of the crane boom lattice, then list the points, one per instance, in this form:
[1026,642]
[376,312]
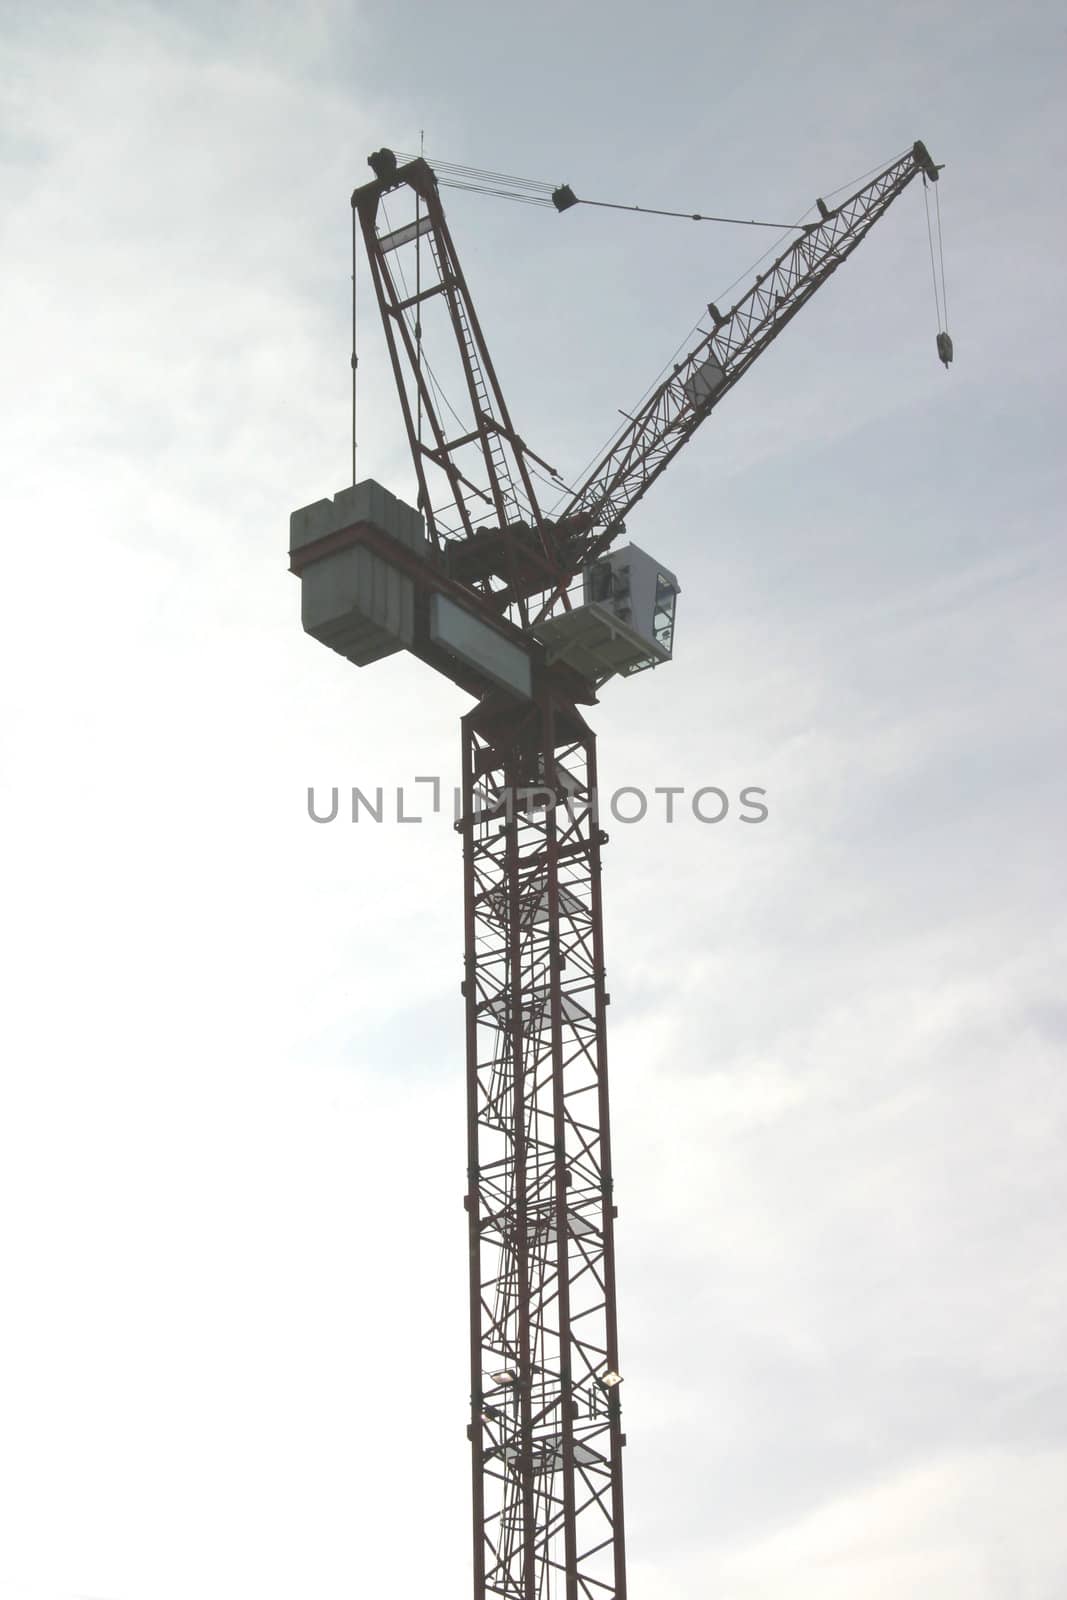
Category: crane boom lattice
[645,446]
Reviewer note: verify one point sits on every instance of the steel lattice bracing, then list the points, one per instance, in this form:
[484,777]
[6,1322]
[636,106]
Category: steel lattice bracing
[499,542]
[652,437]
[471,465]
[545,1427]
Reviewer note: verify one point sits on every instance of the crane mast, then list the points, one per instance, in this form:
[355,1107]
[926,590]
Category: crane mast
[545,1426]
[477,582]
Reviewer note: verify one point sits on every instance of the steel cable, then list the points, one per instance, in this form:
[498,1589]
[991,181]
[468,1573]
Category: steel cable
[941,253]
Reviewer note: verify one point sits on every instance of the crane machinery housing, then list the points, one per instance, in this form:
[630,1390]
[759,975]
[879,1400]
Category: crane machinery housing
[531,614]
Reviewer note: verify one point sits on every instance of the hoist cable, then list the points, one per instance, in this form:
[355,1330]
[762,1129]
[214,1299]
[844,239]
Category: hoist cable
[453,169]
[933,265]
[743,222]
[696,328]
[498,194]
[852,183]
[692,216]
[418,314]
[478,181]
[941,253]
[868,174]
[542,477]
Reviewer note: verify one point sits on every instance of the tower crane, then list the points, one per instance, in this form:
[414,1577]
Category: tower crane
[531,612]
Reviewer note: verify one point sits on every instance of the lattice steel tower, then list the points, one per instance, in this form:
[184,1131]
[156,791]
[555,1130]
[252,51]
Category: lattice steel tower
[531,615]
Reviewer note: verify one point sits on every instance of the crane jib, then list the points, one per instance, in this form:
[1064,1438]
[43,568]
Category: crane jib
[653,434]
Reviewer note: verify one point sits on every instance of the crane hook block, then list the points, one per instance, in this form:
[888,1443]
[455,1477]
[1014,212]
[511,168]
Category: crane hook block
[944,348]
[564,197]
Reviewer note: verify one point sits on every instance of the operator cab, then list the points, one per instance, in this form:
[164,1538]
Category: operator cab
[626,622]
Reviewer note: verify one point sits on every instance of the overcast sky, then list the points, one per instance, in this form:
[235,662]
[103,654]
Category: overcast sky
[232,1246]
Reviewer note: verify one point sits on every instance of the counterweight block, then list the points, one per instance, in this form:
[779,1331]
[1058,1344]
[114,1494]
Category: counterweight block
[350,598]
